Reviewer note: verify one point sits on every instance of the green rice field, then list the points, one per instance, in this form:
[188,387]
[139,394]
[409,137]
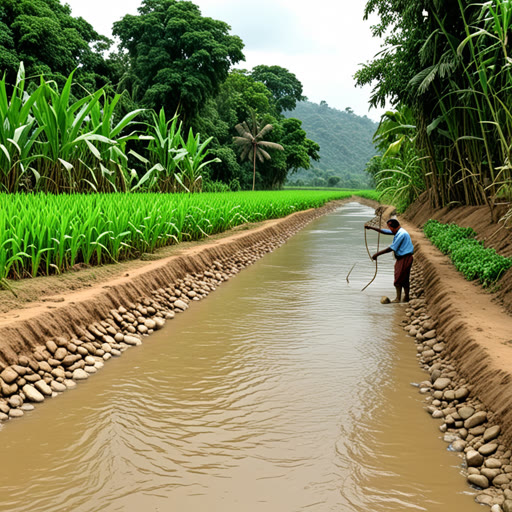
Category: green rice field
[43,234]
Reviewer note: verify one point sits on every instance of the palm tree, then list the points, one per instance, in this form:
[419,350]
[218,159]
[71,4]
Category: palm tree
[251,143]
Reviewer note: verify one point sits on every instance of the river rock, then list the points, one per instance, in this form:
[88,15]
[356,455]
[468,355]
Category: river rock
[466,412]
[458,445]
[44,366]
[15,401]
[70,384]
[51,346]
[60,353]
[106,347]
[150,323]
[80,374]
[159,323]
[484,499]
[23,360]
[430,334]
[58,386]
[119,337]
[449,395]
[32,394]
[493,463]
[488,449]
[476,419]
[41,386]
[490,474]
[9,375]
[435,375]
[132,340]
[461,394]
[474,459]
[501,480]
[181,305]
[20,370]
[438,347]
[16,413]
[385,300]
[479,480]
[27,407]
[491,433]
[441,383]
[58,373]
[507,506]
[8,389]
[69,360]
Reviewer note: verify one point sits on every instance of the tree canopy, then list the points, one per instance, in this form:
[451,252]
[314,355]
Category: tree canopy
[171,60]
[44,35]
[286,89]
[449,64]
[177,58]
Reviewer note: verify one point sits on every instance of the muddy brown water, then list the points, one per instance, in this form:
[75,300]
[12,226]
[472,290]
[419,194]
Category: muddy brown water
[286,390]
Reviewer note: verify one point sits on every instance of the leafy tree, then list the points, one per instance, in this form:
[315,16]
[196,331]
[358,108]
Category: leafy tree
[251,143]
[177,58]
[333,181]
[286,89]
[44,35]
[299,150]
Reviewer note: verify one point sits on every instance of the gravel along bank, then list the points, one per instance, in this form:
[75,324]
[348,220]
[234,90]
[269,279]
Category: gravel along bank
[44,353]
[469,427]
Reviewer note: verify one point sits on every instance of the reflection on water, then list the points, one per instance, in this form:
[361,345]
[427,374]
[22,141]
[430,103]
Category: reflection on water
[286,390]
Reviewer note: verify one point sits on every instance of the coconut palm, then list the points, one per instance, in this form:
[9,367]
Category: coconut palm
[251,143]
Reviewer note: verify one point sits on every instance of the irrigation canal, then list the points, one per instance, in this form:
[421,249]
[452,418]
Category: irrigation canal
[286,390]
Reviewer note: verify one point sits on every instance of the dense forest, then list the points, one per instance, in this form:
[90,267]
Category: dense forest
[163,110]
[445,68]
[346,146]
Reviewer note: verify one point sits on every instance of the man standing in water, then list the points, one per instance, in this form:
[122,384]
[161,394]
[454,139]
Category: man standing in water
[403,249]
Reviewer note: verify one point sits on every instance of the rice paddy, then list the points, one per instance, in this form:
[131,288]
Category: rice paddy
[43,234]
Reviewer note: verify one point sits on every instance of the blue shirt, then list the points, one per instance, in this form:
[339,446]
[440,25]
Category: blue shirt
[402,243]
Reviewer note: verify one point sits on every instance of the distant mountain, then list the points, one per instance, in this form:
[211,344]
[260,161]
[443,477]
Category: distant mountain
[345,144]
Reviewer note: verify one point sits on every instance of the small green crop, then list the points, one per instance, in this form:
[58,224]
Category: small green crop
[469,255]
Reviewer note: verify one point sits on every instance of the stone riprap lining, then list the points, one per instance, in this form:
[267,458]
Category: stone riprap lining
[49,353]
[469,427]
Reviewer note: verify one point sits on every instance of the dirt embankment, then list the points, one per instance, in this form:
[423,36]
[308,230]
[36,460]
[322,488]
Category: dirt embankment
[64,306]
[475,323]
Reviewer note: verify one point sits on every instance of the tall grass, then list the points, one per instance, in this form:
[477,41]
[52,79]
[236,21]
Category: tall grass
[42,234]
[51,142]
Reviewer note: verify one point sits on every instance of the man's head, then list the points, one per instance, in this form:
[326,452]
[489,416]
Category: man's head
[393,225]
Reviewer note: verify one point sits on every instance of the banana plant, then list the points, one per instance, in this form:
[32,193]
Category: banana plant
[193,163]
[18,134]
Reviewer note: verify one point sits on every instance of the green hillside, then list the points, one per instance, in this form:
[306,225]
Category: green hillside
[345,146]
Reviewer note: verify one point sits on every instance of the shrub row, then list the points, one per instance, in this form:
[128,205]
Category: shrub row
[469,255]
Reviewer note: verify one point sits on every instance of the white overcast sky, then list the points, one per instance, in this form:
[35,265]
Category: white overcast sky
[321,41]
